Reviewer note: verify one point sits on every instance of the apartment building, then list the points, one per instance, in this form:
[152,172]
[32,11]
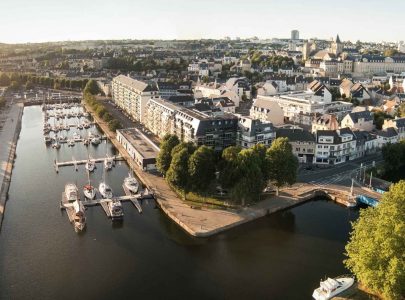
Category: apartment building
[302,143]
[252,132]
[132,95]
[217,130]
[359,120]
[335,146]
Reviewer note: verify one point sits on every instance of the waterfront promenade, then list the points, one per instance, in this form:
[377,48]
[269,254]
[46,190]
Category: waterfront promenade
[10,120]
[204,221]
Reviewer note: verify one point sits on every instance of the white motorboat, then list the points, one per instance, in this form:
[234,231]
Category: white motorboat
[96,140]
[108,163]
[72,196]
[77,136]
[62,139]
[86,142]
[80,126]
[332,287]
[131,184]
[105,190]
[115,208]
[90,165]
[71,143]
[56,144]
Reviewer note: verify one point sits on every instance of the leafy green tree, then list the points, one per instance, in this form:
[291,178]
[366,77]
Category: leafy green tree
[401,110]
[107,117]
[100,111]
[394,161]
[376,248]
[92,87]
[178,175]
[250,181]
[113,125]
[261,152]
[202,168]
[283,164]
[164,157]
[228,167]
[379,117]
[4,80]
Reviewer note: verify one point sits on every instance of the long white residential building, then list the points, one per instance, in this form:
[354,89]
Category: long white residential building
[133,95]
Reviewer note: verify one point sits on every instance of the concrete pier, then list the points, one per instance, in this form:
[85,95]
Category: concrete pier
[9,133]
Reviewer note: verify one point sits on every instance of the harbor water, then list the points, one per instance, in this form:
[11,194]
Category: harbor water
[282,256]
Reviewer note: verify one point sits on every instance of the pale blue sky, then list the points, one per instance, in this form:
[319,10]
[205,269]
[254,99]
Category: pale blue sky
[55,20]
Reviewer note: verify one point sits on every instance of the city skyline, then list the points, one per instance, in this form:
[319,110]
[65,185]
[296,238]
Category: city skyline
[46,21]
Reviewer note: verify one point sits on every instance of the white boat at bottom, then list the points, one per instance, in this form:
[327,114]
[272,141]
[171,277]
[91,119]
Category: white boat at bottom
[105,190]
[332,287]
[115,208]
[72,196]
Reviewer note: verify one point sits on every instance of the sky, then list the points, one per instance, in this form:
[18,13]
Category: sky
[59,20]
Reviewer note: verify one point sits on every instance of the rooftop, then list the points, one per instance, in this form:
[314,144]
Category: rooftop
[140,142]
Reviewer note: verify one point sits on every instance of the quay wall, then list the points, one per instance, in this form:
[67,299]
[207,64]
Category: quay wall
[9,163]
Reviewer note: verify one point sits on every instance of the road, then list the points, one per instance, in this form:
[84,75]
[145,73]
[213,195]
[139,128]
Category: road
[126,121]
[339,175]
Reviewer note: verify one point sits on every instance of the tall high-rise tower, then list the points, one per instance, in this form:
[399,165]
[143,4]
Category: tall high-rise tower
[295,35]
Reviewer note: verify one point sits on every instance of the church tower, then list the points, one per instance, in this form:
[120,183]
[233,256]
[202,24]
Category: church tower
[337,46]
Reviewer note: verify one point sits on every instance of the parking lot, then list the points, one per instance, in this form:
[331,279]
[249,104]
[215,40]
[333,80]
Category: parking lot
[126,121]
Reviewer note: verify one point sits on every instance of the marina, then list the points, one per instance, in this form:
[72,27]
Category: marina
[62,116]
[314,233]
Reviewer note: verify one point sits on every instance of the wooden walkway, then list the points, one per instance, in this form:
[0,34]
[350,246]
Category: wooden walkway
[75,163]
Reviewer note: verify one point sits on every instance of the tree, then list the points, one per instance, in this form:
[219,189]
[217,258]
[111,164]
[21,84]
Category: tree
[379,118]
[228,167]
[201,168]
[113,125]
[283,164]
[394,161]
[164,157]
[401,110]
[177,175]
[4,80]
[100,110]
[250,183]
[92,87]
[376,247]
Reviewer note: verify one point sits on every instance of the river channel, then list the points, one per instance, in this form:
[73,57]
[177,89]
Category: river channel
[282,256]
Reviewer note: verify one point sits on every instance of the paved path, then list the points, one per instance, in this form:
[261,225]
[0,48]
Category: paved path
[11,124]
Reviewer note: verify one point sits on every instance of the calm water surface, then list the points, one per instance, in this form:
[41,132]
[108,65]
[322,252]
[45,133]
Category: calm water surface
[282,256]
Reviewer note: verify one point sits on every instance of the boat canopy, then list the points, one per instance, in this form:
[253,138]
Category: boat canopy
[329,284]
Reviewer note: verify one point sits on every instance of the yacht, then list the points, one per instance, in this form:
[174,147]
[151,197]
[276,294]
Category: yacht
[115,209]
[131,184]
[47,139]
[86,142]
[90,165]
[72,196]
[62,139]
[332,287]
[96,140]
[71,143]
[89,191]
[56,144]
[108,163]
[77,136]
[80,126]
[105,190]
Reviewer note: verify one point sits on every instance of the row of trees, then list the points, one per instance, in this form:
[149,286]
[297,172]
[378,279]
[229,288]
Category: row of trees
[394,161]
[273,61]
[244,172]
[16,81]
[91,89]
[129,63]
[376,248]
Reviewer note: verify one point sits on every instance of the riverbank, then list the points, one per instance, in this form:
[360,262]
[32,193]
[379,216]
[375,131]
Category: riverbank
[9,134]
[204,221]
